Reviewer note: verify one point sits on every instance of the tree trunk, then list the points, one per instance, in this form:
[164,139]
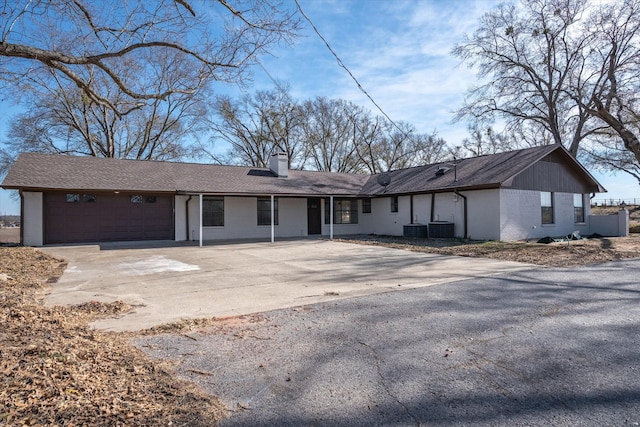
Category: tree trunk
[630,140]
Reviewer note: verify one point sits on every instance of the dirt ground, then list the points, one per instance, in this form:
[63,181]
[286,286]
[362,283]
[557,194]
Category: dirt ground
[55,370]
[10,235]
[558,254]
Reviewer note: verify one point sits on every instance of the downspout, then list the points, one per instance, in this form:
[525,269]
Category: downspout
[22,218]
[464,199]
[433,206]
[331,217]
[411,207]
[273,220]
[186,206]
[200,224]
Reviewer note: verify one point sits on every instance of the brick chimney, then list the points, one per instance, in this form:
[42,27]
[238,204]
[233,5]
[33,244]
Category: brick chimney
[279,165]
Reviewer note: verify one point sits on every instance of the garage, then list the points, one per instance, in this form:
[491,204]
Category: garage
[72,217]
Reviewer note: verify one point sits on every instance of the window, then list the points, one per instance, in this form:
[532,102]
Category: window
[212,211]
[73,198]
[89,198]
[366,205]
[394,203]
[264,210]
[150,199]
[136,198]
[578,208]
[345,211]
[546,203]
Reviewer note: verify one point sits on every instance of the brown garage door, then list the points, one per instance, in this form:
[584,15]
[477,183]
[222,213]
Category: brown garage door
[104,217]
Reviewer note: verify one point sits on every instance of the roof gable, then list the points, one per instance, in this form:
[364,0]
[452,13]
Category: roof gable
[490,171]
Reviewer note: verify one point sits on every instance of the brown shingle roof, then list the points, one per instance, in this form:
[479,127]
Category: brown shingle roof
[59,172]
[489,171]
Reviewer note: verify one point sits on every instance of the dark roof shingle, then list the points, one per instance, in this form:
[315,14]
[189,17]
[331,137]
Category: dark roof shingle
[60,172]
[488,171]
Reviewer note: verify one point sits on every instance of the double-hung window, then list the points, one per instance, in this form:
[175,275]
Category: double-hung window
[212,211]
[345,211]
[546,204]
[264,211]
[394,203]
[578,208]
[366,205]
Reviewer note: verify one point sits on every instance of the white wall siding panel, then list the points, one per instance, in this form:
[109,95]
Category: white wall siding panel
[180,215]
[421,208]
[520,214]
[445,209]
[521,218]
[32,227]
[241,219]
[383,222]
[483,215]
[293,217]
[367,221]
[614,225]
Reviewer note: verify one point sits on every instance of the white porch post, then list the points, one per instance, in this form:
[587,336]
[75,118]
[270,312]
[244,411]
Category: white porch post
[200,222]
[331,217]
[273,220]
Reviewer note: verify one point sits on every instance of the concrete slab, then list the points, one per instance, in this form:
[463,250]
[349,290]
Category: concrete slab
[179,282]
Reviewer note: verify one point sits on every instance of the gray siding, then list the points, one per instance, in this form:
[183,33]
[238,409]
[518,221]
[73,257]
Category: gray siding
[548,175]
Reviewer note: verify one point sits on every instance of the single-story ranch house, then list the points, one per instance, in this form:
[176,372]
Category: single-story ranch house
[523,194]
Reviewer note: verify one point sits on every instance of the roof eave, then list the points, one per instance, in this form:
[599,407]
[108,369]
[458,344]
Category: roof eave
[448,189]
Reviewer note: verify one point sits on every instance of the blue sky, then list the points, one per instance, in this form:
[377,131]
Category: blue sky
[400,53]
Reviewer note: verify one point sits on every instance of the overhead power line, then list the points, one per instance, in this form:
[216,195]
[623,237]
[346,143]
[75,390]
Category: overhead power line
[341,64]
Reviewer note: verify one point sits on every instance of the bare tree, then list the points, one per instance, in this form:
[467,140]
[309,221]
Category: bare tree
[399,146]
[526,56]
[257,126]
[330,134]
[484,140]
[125,78]
[88,42]
[610,90]
[560,71]
[59,120]
[319,134]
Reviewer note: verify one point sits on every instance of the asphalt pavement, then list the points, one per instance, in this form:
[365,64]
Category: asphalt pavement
[547,346]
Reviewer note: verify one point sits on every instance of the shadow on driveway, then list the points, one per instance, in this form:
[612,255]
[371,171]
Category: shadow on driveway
[169,283]
[536,348]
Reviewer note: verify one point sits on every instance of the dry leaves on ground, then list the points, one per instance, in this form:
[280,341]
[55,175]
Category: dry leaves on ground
[559,254]
[55,370]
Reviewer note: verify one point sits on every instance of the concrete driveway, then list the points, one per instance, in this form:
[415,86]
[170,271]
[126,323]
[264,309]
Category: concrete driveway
[169,283]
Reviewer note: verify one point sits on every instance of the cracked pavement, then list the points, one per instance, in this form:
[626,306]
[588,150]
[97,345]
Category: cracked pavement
[549,346]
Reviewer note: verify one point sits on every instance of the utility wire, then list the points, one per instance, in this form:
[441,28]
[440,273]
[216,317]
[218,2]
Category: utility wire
[341,64]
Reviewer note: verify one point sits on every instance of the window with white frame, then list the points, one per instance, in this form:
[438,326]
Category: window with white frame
[578,208]
[546,204]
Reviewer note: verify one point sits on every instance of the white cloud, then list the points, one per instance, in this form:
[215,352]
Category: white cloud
[399,52]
